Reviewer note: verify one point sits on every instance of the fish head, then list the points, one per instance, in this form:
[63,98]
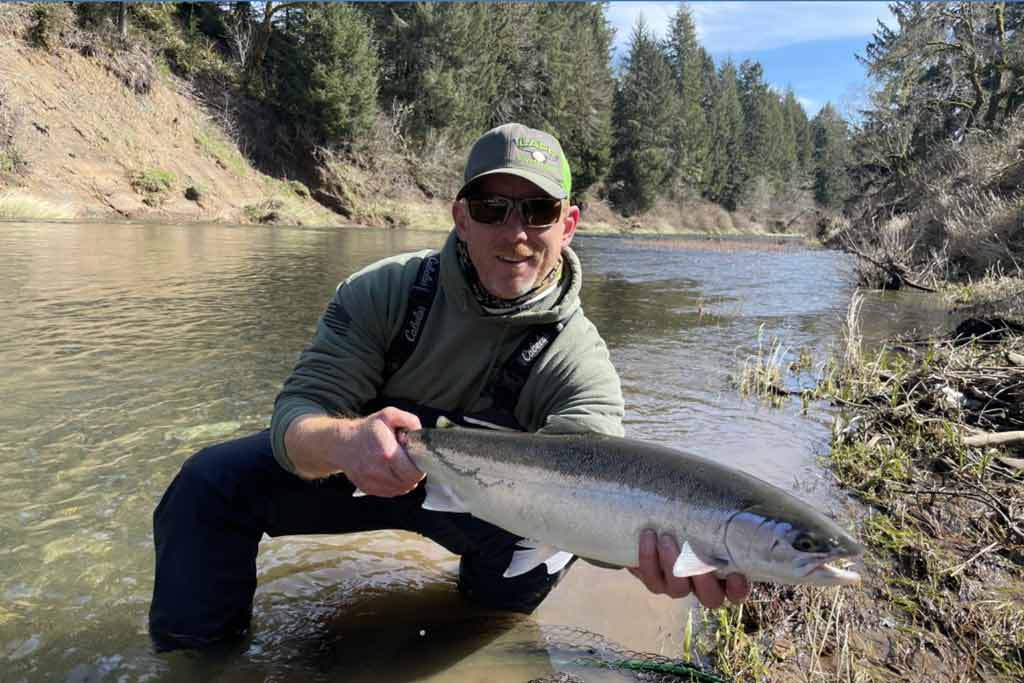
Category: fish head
[801,547]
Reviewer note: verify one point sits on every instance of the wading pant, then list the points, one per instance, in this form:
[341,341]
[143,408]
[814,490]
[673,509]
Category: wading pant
[208,526]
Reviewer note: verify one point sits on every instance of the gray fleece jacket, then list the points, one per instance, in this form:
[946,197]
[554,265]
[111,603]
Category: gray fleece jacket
[573,386]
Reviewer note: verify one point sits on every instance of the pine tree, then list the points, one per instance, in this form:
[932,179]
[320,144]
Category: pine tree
[831,158]
[576,87]
[328,81]
[798,137]
[645,104]
[690,135]
[725,172]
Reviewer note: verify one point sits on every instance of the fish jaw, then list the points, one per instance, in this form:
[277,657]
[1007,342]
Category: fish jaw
[829,573]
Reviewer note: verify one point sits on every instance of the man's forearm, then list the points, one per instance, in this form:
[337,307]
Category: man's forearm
[313,441]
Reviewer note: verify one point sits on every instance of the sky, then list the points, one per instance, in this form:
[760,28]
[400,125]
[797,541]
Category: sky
[809,46]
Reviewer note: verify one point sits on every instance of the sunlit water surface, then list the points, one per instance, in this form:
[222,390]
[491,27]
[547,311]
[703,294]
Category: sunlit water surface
[125,348]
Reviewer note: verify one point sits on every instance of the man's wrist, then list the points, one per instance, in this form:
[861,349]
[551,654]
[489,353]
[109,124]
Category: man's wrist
[311,441]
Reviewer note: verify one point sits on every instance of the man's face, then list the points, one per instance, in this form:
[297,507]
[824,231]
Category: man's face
[511,257]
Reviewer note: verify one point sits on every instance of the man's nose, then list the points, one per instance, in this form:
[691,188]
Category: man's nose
[515,222]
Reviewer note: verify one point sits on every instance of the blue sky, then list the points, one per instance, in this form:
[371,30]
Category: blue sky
[807,45]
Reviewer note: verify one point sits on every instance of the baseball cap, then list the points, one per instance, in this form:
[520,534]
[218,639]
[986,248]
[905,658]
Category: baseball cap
[520,151]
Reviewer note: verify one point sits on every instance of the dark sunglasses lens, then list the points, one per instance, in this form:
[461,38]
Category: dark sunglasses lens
[489,209]
[541,211]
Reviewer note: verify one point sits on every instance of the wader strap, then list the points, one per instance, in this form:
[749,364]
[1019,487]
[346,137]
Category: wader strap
[421,298]
[506,383]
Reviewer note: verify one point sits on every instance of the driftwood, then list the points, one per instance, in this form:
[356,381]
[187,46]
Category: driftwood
[993,438]
[892,269]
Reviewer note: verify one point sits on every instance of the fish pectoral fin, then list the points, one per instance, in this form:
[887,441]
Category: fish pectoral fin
[535,554]
[440,498]
[690,564]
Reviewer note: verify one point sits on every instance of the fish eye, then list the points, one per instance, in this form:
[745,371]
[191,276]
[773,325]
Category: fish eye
[806,543]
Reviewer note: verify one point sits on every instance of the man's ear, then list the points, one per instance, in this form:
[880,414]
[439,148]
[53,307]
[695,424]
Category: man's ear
[569,223]
[459,216]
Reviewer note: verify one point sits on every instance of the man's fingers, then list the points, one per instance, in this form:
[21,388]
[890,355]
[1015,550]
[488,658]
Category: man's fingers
[649,570]
[709,590]
[668,551]
[400,419]
[737,588]
[403,468]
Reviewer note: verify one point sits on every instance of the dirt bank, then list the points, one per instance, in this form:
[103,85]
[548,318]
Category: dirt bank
[91,129]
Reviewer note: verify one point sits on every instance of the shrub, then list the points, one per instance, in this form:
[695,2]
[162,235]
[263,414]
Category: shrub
[11,160]
[153,184]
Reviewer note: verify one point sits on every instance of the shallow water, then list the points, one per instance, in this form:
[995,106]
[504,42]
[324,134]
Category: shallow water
[125,348]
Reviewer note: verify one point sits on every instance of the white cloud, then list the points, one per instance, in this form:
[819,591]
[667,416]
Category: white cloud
[746,26]
[810,106]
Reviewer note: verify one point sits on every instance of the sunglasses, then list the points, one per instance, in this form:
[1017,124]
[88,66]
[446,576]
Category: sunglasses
[495,209]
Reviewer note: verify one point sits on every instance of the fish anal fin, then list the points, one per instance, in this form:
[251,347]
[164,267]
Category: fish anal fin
[440,498]
[690,564]
[535,554]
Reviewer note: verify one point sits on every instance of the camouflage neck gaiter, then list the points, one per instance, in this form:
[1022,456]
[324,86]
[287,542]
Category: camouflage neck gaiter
[494,305]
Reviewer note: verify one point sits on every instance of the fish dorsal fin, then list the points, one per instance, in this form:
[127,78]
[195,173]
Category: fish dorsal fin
[359,493]
[689,564]
[534,555]
[440,498]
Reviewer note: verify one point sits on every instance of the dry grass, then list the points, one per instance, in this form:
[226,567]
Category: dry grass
[18,206]
[962,215]
[943,522]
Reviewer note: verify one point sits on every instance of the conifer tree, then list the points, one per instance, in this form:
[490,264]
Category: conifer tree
[690,135]
[725,172]
[798,135]
[831,158]
[576,88]
[328,82]
[645,104]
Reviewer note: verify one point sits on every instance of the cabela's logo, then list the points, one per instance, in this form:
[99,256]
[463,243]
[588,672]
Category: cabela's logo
[429,271]
[531,351]
[413,330]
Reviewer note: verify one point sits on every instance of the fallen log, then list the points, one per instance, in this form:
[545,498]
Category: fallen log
[993,438]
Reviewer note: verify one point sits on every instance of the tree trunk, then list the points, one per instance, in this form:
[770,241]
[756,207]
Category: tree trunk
[122,20]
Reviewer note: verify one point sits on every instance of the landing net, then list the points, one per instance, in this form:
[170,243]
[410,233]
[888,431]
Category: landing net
[583,656]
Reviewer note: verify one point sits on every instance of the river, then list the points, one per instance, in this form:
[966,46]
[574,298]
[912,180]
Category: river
[125,348]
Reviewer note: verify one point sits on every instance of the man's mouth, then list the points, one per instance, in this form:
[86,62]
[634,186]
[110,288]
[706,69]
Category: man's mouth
[513,259]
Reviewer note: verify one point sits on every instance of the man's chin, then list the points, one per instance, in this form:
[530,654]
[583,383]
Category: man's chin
[510,290]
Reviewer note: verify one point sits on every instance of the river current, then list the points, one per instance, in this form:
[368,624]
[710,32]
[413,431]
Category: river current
[126,348]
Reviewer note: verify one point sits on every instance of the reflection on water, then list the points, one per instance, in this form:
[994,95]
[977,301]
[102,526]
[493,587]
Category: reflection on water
[125,348]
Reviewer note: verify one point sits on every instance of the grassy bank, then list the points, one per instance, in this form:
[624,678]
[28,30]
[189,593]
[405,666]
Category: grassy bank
[927,439]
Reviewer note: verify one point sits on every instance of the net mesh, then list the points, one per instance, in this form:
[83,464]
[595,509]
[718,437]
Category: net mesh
[581,650]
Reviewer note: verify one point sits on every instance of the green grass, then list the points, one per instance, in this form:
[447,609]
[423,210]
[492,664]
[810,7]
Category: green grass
[153,184]
[226,156]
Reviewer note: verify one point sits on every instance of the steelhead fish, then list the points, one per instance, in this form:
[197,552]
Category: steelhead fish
[592,495]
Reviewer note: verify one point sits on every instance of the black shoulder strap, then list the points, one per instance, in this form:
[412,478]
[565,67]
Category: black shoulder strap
[421,298]
[506,383]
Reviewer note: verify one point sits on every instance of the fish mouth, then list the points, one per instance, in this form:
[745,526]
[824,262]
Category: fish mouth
[834,573]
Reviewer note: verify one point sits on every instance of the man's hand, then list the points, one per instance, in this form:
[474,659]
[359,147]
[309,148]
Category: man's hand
[365,449]
[377,464]
[657,555]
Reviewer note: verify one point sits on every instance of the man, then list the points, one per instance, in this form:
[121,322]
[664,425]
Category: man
[488,332]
